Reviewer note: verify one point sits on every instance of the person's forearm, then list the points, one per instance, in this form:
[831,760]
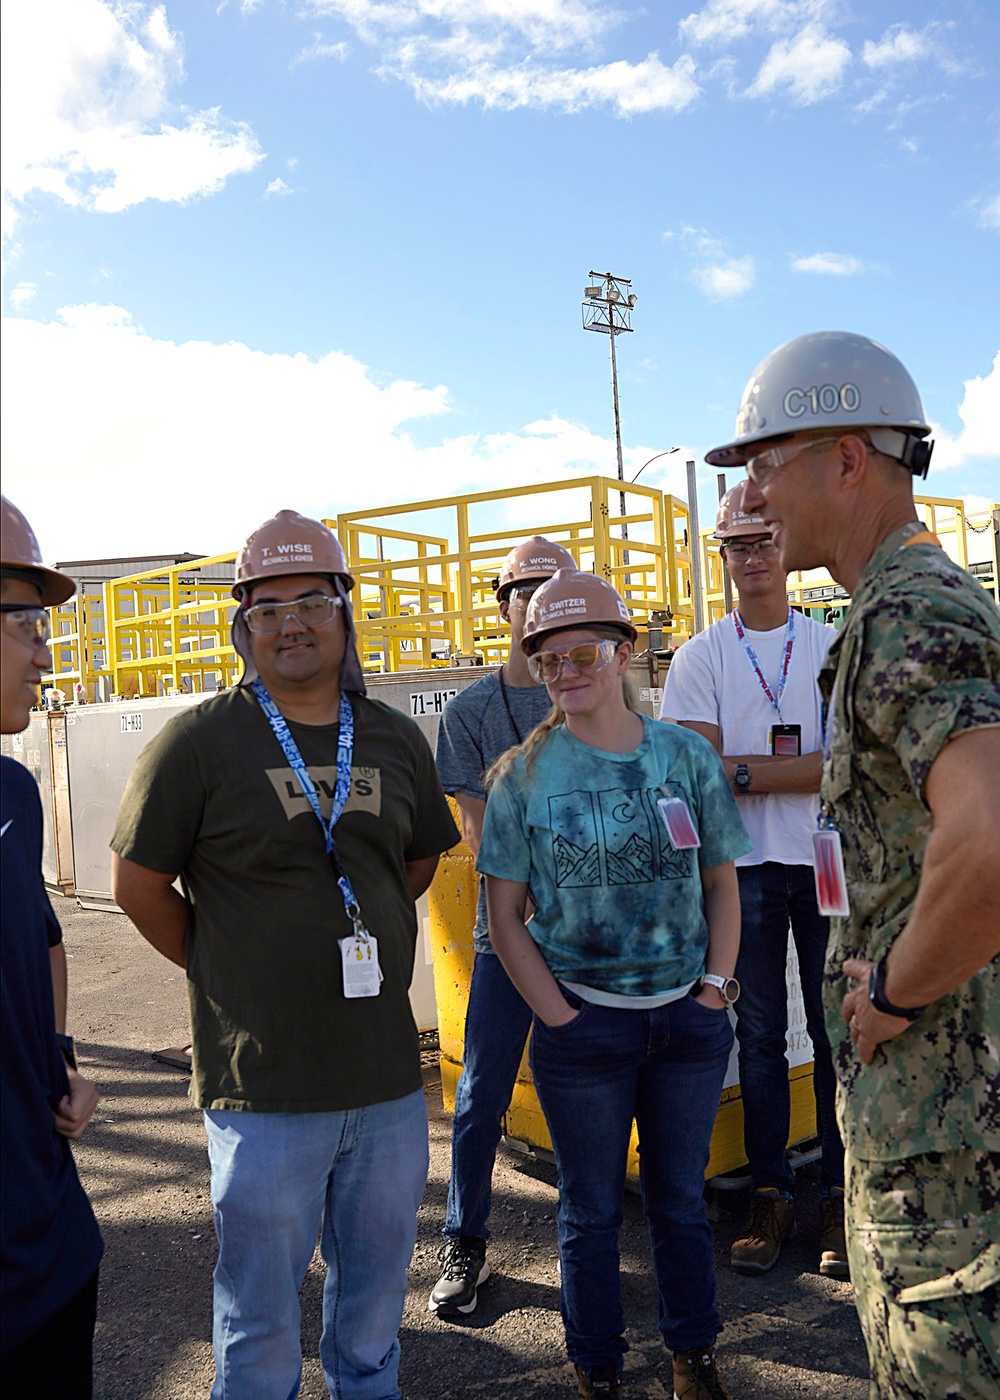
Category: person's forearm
[954,929]
[419,874]
[162,919]
[722,914]
[772,773]
[57,962]
[527,969]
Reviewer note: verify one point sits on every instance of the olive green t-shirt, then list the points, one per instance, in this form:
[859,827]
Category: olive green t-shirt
[213,799]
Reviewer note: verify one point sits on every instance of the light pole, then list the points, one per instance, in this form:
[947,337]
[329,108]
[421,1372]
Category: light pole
[654,457]
[608,310]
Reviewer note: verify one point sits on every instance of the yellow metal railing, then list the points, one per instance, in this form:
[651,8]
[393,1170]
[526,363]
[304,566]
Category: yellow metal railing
[425,576]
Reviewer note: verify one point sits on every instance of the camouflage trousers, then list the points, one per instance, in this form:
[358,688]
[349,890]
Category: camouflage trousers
[923,1241]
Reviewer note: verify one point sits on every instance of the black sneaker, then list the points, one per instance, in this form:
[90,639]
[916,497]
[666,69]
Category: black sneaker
[597,1382]
[464,1269]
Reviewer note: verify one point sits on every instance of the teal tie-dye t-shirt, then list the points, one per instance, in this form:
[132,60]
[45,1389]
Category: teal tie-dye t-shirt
[616,907]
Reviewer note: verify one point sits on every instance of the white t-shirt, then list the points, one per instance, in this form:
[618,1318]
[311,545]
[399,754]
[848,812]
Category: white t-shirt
[710,680]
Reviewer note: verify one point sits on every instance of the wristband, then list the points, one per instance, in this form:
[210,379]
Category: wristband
[878,998]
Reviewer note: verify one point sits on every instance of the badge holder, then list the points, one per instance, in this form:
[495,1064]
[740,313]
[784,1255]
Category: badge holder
[359,961]
[828,868]
[678,820]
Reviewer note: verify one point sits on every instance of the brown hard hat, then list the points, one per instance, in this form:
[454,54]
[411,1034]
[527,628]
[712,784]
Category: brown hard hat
[289,543]
[20,552]
[571,598]
[732,520]
[535,558]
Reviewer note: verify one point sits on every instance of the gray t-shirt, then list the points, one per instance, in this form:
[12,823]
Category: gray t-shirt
[480,724]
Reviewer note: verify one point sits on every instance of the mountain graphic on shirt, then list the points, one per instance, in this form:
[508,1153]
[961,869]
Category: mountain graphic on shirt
[576,865]
[633,864]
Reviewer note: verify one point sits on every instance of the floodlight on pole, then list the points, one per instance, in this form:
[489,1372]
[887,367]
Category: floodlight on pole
[608,310]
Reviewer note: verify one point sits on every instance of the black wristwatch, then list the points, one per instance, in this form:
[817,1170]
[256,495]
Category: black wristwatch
[65,1046]
[742,778]
[878,998]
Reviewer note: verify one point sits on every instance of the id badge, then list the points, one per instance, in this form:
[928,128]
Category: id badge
[828,869]
[679,823]
[784,740]
[359,960]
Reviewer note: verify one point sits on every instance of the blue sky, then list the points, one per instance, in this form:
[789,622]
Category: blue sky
[330,254]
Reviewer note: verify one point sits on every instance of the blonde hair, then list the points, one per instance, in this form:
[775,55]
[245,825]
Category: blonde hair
[530,748]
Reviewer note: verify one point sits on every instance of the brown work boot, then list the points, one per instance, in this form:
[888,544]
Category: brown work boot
[832,1240]
[695,1376]
[770,1222]
[597,1382]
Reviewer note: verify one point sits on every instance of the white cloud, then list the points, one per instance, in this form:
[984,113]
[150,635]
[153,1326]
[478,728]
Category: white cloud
[238,432]
[551,24]
[628,88]
[989,212]
[810,66]
[897,45]
[22,294]
[829,264]
[722,21]
[318,51]
[277,187]
[89,114]
[980,413]
[715,273]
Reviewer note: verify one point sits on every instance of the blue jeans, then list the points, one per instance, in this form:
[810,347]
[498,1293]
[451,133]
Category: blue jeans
[771,897]
[497,1022]
[665,1068]
[277,1178]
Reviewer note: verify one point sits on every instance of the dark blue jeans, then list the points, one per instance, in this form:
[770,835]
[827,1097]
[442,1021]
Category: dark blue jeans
[772,896]
[665,1068]
[497,1022]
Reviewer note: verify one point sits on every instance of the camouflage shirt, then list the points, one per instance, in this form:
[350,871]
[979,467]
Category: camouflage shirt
[916,663]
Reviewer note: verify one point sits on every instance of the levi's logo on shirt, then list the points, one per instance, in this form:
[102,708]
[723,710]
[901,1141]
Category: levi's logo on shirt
[365,794]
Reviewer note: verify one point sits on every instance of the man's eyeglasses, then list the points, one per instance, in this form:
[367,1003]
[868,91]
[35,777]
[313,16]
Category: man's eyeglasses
[30,625]
[522,592]
[546,666]
[740,550]
[308,612]
[764,464]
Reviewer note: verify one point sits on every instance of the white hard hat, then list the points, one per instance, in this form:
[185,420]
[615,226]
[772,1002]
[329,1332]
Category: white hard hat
[831,379]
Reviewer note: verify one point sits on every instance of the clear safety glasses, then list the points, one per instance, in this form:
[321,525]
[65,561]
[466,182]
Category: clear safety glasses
[308,612]
[522,592]
[546,666]
[740,550]
[763,465]
[32,626]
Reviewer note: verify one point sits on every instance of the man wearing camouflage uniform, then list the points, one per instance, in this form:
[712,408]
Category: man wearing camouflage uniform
[831,429]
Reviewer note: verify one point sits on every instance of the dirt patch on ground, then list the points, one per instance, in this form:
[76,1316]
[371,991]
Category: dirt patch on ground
[143,1161]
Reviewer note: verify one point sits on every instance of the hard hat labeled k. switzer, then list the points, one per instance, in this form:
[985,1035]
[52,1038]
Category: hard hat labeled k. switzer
[289,543]
[732,520]
[20,555]
[537,558]
[574,599]
[833,380]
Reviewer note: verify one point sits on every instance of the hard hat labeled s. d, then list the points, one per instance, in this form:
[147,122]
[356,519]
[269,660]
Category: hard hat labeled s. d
[289,543]
[534,559]
[20,555]
[732,520]
[574,599]
[831,380]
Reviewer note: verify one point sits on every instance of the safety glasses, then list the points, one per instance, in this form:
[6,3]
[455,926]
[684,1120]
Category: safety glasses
[546,666]
[30,625]
[313,611]
[740,551]
[522,592]
[763,465]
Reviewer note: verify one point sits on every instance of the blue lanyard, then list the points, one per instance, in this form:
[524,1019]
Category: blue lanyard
[786,658]
[345,749]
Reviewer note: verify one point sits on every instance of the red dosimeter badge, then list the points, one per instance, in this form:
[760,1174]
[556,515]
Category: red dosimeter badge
[828,868]
[679,822]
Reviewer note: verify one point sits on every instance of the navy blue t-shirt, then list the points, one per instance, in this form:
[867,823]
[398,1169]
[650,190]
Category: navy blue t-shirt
[50,1245]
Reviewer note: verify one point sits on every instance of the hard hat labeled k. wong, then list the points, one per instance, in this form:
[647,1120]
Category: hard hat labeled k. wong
[536,558]
[834,380]
[289,543]
[20,552]
[574,599]
[732,520]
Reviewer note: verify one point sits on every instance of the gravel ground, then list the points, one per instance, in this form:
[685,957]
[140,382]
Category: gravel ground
[790,1334]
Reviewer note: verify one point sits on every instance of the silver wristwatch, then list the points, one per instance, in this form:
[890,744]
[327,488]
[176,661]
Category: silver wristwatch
[728,986]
